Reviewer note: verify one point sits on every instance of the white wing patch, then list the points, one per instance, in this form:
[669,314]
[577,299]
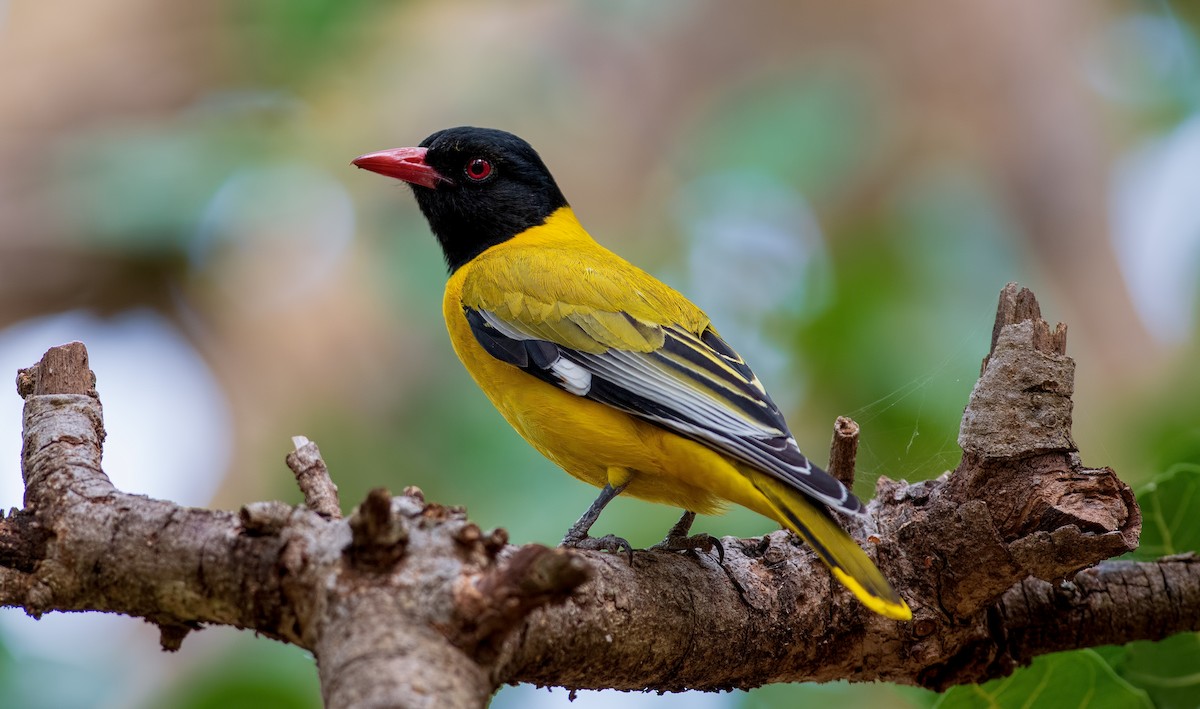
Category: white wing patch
[574,378]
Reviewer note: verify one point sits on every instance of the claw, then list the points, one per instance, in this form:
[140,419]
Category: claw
[577,536]
[695,543]
[609,543]
[678,539]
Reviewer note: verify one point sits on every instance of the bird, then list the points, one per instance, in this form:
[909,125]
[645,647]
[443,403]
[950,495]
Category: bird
[614,376]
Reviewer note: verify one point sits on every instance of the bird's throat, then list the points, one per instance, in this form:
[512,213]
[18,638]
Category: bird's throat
[461,242]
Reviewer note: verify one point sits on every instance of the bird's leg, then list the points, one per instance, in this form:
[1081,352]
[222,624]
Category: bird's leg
[678,539]
[683,526]
[577,536]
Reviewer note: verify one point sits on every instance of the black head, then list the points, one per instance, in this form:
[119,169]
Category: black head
[477,187]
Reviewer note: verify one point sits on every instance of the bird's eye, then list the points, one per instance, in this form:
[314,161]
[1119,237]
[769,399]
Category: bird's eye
[478,169]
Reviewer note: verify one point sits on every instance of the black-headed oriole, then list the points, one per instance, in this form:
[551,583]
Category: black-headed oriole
[608,372]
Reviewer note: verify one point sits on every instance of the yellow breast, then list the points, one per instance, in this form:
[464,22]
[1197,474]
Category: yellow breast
[587,439]
[565,428]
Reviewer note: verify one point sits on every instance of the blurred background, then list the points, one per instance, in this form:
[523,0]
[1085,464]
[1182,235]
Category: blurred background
[844,187]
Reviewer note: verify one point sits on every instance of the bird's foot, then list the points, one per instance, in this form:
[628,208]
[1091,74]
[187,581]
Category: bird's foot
[695,543]
[577,536]
[609,542]
[678,539]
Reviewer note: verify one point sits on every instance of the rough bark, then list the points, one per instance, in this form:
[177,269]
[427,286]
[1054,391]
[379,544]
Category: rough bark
[407,603]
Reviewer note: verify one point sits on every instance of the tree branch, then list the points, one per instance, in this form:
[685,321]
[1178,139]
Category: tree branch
[320,494]
[406,602]
[843,450]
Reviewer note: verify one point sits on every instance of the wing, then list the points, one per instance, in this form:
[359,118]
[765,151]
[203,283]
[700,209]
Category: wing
[692,384]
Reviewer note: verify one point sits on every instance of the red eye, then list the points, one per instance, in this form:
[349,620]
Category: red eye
[478,169]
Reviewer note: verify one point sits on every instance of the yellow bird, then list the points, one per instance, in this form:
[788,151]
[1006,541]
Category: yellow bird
[605,370]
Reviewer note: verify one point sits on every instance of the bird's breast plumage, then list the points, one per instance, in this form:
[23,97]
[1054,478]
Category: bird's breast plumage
[582,304]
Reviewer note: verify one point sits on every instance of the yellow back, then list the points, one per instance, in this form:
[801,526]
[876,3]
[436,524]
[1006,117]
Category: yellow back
[583,306]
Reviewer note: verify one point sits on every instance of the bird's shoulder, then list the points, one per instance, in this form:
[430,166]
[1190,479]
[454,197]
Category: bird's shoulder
[556,283]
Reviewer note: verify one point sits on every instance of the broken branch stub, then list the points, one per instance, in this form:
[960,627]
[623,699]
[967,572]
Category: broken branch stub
[1020,503]
[1021,405]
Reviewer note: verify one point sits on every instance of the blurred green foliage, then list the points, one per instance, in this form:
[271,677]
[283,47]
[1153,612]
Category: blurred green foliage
[811,128]
[283,42]
[1065,679]
[1167,670]
[1170,506]
[251,674]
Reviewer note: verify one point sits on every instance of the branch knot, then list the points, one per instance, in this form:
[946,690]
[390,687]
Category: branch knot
[378,534]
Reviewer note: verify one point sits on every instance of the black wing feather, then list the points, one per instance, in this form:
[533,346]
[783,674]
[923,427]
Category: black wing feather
[697,387]
[533,356]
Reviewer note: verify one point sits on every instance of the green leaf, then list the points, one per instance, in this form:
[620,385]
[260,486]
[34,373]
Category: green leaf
[1058,681]
[1168,670]
[1170,505]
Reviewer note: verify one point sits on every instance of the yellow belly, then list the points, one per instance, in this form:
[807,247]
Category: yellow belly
[594,442]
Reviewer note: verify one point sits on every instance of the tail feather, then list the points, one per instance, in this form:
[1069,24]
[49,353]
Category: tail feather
[848,562]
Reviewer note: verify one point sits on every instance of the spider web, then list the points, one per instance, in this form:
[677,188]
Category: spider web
[907,453]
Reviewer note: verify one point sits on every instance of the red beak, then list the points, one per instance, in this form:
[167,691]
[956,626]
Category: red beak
[406,164]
